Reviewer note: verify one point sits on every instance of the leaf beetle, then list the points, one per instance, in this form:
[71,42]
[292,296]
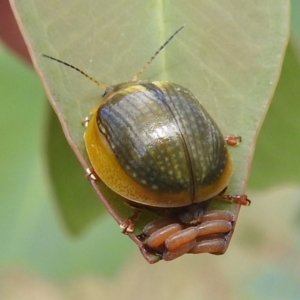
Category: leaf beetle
[154,144]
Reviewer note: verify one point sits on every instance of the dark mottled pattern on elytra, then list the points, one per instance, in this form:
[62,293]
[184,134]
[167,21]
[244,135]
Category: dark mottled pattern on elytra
[163,138]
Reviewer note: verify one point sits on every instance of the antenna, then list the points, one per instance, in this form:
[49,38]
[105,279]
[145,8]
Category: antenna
[139,73]
[135,78]
[78,70]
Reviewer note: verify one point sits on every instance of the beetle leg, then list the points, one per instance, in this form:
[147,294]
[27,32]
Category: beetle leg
[238,199]
[128,225]
[91,174]
[233,140]
[85,121]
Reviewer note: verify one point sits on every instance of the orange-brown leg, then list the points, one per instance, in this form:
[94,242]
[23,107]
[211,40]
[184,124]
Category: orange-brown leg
[238,199]
[85,121]
[128,225]
[233,140]
[91,175]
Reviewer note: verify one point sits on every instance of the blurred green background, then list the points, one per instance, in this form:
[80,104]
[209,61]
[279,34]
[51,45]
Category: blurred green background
[39,258]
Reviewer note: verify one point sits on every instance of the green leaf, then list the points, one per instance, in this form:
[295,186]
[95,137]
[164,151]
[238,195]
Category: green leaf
[31,234]
[295,20]
[75,198]
[278,145]
[229,55]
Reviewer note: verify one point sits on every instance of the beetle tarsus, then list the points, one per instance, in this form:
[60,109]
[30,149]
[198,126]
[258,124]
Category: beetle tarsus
[233,140]
[238,199]
[91,174]
[128,225]
[85,121]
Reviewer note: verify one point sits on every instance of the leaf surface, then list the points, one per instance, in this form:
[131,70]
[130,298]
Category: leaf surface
[229,55]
